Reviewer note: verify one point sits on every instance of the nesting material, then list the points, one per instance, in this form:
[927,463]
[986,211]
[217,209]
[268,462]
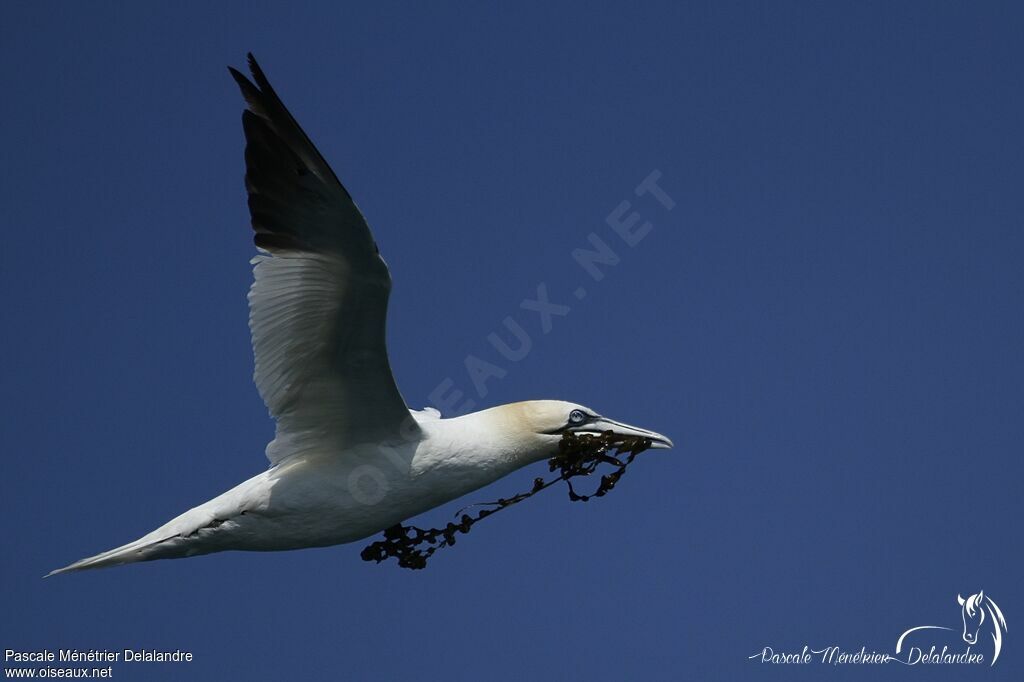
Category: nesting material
[579,455]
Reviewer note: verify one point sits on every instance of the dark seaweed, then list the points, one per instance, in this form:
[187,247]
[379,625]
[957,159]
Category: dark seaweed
[578,455]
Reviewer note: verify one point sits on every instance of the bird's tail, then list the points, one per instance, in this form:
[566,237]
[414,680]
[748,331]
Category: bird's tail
[200,530]
[179,537]
[139,550]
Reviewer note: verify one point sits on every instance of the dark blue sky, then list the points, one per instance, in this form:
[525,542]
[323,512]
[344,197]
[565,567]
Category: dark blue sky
[828,324]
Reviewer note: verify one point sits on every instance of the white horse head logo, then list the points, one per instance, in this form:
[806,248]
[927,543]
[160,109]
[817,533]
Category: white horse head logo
[976,610]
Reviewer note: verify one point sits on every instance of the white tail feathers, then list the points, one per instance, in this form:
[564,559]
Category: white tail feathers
[125,554]
[177,538]
[201,530]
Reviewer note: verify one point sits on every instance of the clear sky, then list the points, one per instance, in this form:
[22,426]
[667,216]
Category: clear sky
[828,322]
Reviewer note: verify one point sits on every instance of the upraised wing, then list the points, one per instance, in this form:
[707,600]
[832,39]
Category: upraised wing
[318,305]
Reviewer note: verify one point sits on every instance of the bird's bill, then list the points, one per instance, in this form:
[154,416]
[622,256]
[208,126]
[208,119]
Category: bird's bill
[603,424]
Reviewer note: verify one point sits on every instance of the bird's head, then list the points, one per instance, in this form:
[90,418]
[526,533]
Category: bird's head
[549,420]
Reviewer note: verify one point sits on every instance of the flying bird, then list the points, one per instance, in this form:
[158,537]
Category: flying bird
[348,458]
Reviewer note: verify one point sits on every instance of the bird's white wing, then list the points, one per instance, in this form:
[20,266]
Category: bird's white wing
[318,304]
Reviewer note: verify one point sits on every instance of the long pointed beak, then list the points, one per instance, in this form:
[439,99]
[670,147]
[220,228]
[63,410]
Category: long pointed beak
[602,424]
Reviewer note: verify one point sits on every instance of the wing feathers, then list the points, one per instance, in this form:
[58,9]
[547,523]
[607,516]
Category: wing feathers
[302,204]
[318,303]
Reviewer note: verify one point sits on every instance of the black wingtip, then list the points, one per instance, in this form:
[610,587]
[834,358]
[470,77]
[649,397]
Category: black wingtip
[237,75]
[243,80]
[258,75]
[250,92]
[254,67]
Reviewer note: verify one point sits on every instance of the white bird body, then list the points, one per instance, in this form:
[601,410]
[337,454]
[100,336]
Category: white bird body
[349,458]
[317,499]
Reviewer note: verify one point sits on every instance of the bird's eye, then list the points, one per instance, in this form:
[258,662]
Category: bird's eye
[577,417]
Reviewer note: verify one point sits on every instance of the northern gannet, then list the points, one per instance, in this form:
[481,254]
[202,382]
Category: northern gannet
[348,458]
